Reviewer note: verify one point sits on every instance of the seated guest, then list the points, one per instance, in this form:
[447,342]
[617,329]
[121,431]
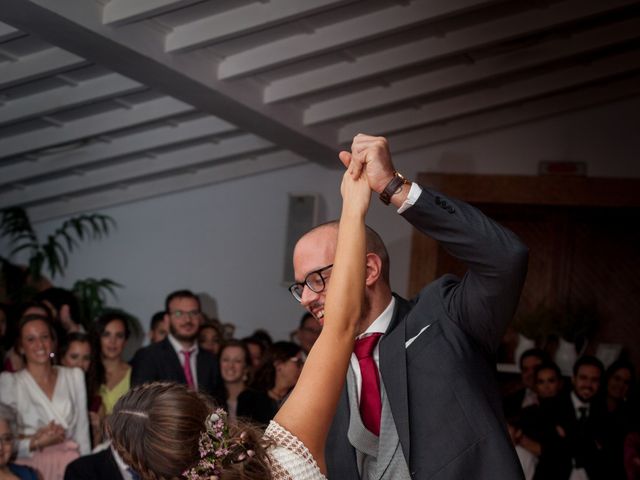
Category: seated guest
[525,396]
[113,374]
[51,402]
[581,421]
[158,330]
[76,352]
[210,337]
[257,349]
[178,358]
[8,469]
[618,420]
[539,426]
[307,332]
[234,396]
[280,371]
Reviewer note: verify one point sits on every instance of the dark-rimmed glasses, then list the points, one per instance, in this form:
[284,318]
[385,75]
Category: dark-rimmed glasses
[193,314]
[314,280]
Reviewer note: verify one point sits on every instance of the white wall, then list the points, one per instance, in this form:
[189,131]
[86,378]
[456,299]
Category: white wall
[227,240]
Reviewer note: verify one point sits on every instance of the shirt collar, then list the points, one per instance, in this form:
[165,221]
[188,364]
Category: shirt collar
[123,467]
[381,324]
[179,348]
[577,403]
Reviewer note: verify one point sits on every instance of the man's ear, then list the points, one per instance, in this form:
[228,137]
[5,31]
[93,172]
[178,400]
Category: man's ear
[374,269]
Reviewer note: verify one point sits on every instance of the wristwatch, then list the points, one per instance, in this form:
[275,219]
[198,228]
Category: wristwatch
[394,186]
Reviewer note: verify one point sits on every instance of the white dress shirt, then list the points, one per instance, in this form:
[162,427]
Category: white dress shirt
[192,359]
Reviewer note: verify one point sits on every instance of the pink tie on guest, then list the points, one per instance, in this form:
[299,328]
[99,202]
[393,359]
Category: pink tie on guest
[370,403]
[187,369]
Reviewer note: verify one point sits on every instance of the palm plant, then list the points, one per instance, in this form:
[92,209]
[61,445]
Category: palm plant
[50,256]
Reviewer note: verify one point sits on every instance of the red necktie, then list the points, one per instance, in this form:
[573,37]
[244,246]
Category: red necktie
[370,403]
[187,368]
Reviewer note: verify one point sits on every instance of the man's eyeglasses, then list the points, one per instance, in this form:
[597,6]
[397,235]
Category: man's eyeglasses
[180,314]
[314,280]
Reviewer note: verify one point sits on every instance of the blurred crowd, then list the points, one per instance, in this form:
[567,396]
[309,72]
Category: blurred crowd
[582,427]
[60,379]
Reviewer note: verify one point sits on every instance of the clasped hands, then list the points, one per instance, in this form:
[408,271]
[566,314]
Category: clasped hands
[368,165]
[50,434]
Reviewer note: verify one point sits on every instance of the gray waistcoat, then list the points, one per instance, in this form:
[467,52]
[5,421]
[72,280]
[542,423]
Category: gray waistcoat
[379,458]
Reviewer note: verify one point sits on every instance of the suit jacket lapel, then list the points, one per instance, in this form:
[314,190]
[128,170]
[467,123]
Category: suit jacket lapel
[109,468]
[171,360]
[393,369]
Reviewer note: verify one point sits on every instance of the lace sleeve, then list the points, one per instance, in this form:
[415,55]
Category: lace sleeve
[291,460]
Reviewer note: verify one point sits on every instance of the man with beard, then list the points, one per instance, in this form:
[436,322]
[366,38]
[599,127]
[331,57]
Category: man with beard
[581,423]
[177,358]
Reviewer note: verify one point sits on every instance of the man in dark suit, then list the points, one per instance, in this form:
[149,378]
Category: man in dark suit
[582,422]
[438,412]
[97,466]
[177,358]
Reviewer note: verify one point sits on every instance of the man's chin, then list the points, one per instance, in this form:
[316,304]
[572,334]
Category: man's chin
[186,338]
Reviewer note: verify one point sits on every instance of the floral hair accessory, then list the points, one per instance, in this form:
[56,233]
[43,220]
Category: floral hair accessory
[217,449]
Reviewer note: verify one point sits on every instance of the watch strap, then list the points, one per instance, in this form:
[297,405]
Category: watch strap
[394,186]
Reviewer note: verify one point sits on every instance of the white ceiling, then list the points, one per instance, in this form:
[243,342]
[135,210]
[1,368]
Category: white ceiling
[104,102]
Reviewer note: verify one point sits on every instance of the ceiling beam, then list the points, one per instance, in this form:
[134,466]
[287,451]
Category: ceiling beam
[66,97]
[137,51]
[492,97]
[7,32]
[340,35]
[44,63]
[155,137]
[130,171]
[206,176]
[518,114]
[242,21]
[118,12]
[452,43]
[90,126]
[458,76]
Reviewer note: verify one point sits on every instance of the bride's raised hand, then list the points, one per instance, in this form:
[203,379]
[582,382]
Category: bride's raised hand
[355,190]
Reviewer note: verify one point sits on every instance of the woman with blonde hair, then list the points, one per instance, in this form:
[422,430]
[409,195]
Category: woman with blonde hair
[166,431]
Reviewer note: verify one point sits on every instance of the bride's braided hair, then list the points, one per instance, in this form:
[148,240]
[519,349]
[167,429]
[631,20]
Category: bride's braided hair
[156,428]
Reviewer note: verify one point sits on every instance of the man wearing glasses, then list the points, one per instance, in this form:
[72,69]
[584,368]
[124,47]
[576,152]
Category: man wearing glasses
[420,401]
[177,358]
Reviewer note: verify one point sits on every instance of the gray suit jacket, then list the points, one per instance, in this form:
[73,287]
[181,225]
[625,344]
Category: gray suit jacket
[441,389]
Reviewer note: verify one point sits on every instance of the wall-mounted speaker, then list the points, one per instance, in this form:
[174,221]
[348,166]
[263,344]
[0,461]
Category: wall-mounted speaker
[302,216]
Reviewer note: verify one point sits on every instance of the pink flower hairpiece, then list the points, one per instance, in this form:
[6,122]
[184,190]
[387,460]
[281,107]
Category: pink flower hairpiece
[217,449]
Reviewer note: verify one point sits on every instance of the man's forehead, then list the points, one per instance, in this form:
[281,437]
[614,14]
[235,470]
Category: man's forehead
[318,245]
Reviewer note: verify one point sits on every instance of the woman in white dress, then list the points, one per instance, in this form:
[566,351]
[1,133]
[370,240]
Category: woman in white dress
[164,431]
[50,402]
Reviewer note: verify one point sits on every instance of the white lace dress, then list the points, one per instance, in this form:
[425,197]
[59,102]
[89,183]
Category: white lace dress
[291,460]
